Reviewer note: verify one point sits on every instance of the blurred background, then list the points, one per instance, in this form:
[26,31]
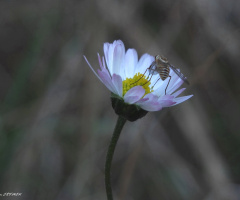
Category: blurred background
[56,118]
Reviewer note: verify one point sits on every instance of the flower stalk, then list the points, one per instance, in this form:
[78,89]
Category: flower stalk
[111,148]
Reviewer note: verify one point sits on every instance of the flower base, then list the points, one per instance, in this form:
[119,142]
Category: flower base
[131,112]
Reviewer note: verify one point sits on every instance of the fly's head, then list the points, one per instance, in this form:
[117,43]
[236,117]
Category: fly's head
[161,60]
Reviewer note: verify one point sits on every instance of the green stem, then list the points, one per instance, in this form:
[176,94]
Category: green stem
[118,128]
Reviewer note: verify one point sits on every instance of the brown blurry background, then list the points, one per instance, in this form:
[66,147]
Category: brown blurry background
[56,118]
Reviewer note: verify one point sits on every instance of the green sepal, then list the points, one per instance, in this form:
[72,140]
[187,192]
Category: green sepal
[131,112]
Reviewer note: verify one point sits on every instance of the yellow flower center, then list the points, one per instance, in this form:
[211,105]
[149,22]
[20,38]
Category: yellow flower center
[138,79]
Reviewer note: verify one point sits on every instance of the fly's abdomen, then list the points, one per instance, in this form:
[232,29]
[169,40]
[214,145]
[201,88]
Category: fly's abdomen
[164,72]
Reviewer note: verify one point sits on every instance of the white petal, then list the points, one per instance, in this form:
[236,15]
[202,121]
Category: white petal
[178,92]
[130,62]
[144,62]
[118,58]
[159,88]
[92,69]
[181,99]
[174,78]
[156,81]
[106,49]
[108,52]
[176,85]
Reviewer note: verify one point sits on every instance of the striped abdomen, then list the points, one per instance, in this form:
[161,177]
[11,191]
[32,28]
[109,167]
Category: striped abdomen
[164,72]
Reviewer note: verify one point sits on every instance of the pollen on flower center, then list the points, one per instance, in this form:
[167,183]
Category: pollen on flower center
[138,79]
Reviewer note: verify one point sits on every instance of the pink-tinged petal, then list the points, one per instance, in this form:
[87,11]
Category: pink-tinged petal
[148,97]
[150,106]
[92,69]
[130,62]
[105,67]
[151,97]
[182,99]
[166,97]
[117,82]
[100,61]
[166,100]
[167,103]
[131,99]
[136,91]
[107,81]
[143,100]
[118,58]
[103,61]
[150,103]
[178,92]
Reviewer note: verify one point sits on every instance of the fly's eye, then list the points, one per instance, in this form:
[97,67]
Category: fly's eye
[163,59]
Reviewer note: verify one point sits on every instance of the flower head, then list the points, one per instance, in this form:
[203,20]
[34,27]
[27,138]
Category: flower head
[125,76]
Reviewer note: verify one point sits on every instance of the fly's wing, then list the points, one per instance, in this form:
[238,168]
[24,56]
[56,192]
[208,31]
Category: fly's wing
[152,68]
[179,74]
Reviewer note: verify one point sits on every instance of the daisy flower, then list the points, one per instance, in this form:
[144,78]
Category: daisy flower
[123,74]
[136,89]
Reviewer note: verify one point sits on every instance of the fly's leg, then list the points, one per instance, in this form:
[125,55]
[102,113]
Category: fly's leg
[140,77]
[155,83]
[148,80]
[167,84]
